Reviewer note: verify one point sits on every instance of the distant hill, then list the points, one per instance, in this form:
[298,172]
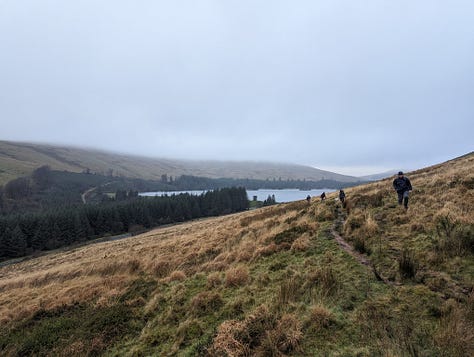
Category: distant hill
[379,176]
[297,279]
[17,159]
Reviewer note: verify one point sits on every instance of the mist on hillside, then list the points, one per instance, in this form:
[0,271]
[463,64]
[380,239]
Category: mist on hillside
[352,88]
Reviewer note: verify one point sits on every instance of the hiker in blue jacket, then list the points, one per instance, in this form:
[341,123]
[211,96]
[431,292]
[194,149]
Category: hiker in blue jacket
[403,186]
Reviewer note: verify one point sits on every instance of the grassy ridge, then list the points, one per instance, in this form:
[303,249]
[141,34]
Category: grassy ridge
[267,282]
[19,159]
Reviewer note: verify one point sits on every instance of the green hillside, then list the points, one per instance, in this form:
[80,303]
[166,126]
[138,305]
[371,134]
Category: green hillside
[17,159]
[298,279]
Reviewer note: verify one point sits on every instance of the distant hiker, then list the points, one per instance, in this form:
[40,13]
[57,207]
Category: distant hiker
[308,198]
[403,186]
[342,195]
[323,196]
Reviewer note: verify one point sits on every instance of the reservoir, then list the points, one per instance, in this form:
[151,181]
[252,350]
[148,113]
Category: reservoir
[286,195]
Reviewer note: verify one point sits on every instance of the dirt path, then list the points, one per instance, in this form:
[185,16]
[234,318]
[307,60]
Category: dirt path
[85,193]
[361,258]
[456,290]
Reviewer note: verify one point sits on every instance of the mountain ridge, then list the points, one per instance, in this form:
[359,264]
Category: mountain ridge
[379,175]
[17,159]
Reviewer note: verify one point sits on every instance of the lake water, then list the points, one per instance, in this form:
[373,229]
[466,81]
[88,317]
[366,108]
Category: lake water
[287,195]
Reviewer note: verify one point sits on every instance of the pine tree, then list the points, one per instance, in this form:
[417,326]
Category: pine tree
[54,236]
[19,240]
[79,229]
[42,177]
[65,222]
[14,243]
[2,200]
[100,224]
[18,188]
[120,195]
[41,236]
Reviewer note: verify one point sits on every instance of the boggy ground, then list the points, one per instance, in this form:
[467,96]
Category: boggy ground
[269,282]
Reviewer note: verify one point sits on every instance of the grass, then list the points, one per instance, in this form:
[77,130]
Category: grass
[79,328]
[268,282]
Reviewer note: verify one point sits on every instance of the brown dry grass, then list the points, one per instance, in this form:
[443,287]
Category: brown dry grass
[214,280]
[455,336]
[97,273]
[320,317]
[237,276]
[177,275]
[259,334]
[223,250]
[206,302]
[437,227]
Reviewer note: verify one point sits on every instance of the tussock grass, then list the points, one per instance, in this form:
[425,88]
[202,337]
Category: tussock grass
[455,336]
[260,334]
[284,338]
[160,269]
[301,244]
[407,264]
[437,227]
[267,282]
[214,280]
[237,276]
[206,302]
[320,317]
[289,291]
[177,275]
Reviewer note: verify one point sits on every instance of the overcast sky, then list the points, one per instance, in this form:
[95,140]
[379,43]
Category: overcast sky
[352,86]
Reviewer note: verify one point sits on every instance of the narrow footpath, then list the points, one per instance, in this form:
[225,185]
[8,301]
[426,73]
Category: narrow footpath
[453,288]
[361,258]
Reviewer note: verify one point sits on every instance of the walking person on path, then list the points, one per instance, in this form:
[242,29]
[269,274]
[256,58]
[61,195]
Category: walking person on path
[342,195]
[403,186]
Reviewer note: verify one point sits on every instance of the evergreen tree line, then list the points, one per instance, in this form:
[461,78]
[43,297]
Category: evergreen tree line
[46,188]
[270,201]
[25,234]
[186,182]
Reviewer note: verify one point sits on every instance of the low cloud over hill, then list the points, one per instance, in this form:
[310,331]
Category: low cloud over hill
[18,159]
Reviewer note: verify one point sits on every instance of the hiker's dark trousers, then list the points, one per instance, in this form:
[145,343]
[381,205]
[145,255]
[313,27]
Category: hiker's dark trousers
[403,197]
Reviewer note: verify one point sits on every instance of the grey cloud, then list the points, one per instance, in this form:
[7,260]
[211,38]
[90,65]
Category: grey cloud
[328,83]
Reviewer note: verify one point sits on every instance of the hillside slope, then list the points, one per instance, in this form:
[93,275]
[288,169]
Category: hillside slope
[18,159]
[267,282]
